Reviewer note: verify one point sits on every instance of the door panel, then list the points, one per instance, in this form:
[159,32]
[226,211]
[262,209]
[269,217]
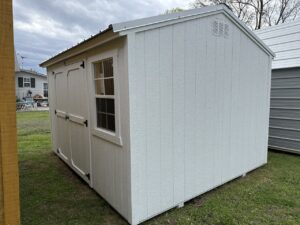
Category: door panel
[78,113]
[61,112]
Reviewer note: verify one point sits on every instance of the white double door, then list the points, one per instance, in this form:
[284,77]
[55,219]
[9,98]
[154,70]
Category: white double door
[71,110]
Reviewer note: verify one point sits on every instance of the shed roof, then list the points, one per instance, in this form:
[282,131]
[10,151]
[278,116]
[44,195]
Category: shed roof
[162,20]
[284,40]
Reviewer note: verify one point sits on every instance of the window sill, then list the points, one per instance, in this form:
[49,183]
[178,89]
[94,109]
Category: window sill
[107,136]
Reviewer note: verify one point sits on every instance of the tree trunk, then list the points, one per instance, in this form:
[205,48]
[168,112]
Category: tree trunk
[261,12]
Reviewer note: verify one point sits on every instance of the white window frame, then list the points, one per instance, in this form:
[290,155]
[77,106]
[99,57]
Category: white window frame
[114,137]
[45,89]
[28,78]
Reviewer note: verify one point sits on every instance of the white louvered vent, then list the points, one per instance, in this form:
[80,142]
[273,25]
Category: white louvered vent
[220,29]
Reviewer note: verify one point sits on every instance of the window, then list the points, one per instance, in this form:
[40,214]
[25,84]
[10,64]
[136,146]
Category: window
[20,82]
[104,92]
[26,82]
[45,85]
[32,82]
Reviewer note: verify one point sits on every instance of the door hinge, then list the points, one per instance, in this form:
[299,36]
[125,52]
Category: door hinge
[82,64]
[55,111]
[86,123]
[67,117]
[57,150]
[88,176]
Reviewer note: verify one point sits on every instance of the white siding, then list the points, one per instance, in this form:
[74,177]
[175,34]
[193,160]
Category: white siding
[199,108]
[284,40]
[110,162]
[22,92]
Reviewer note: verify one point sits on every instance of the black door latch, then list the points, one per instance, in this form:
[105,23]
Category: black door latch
[82,64]
[86,123]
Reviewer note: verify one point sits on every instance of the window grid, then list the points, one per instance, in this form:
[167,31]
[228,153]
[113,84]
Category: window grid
[26,82]
[104,94]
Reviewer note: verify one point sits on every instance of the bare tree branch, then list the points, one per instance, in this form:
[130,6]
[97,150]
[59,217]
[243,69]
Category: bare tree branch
[258,13]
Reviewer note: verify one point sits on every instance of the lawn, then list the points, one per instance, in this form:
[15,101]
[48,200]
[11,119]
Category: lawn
[51,194]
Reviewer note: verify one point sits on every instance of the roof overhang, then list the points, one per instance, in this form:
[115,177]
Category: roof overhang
[92,42]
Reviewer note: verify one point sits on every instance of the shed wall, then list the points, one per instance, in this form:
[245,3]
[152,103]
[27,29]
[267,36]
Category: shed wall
[199,108]
[110,163]
[285,110]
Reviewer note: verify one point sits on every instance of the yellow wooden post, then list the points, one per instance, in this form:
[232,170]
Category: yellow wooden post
[9,173]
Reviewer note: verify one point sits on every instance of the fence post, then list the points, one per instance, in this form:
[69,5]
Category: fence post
[9,173]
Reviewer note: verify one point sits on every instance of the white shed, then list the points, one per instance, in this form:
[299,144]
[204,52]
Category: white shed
[154,112]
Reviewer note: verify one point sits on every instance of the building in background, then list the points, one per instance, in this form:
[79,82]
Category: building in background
[284,40]
[31,84]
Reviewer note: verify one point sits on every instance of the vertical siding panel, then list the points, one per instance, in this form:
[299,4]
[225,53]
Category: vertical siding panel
[267,96]
[255,109]
[220,112]
[201,105]
[210,112]
[166,118]
[178,111]
[242,122]
[153,120]
[259,110]
[248,90]
[190,91]
[138,143]
[255,93]
[235,141]
[226,105]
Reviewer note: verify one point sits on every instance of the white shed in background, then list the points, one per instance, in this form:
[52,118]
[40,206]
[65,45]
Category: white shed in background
[154,112]
[284,40]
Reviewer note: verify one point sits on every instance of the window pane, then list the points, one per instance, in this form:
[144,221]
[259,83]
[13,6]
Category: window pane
[111,122]
[101,120]
[32,81]
[110,104]
[109,86]
[26,84]
[101,105]
[98,70]
[20,81]
[105,111]
[108,67]
[99,87]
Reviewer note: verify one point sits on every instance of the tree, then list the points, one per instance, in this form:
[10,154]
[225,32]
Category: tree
[174,10]
[258,13]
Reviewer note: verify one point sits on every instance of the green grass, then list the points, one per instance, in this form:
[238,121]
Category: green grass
[51,194]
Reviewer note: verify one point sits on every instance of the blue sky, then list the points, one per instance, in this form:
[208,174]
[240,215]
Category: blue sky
[44,28]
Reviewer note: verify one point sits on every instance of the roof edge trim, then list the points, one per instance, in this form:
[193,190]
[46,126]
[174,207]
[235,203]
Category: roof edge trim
[129,26]
[55,59]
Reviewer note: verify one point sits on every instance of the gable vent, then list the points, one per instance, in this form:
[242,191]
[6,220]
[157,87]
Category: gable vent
[220,29]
